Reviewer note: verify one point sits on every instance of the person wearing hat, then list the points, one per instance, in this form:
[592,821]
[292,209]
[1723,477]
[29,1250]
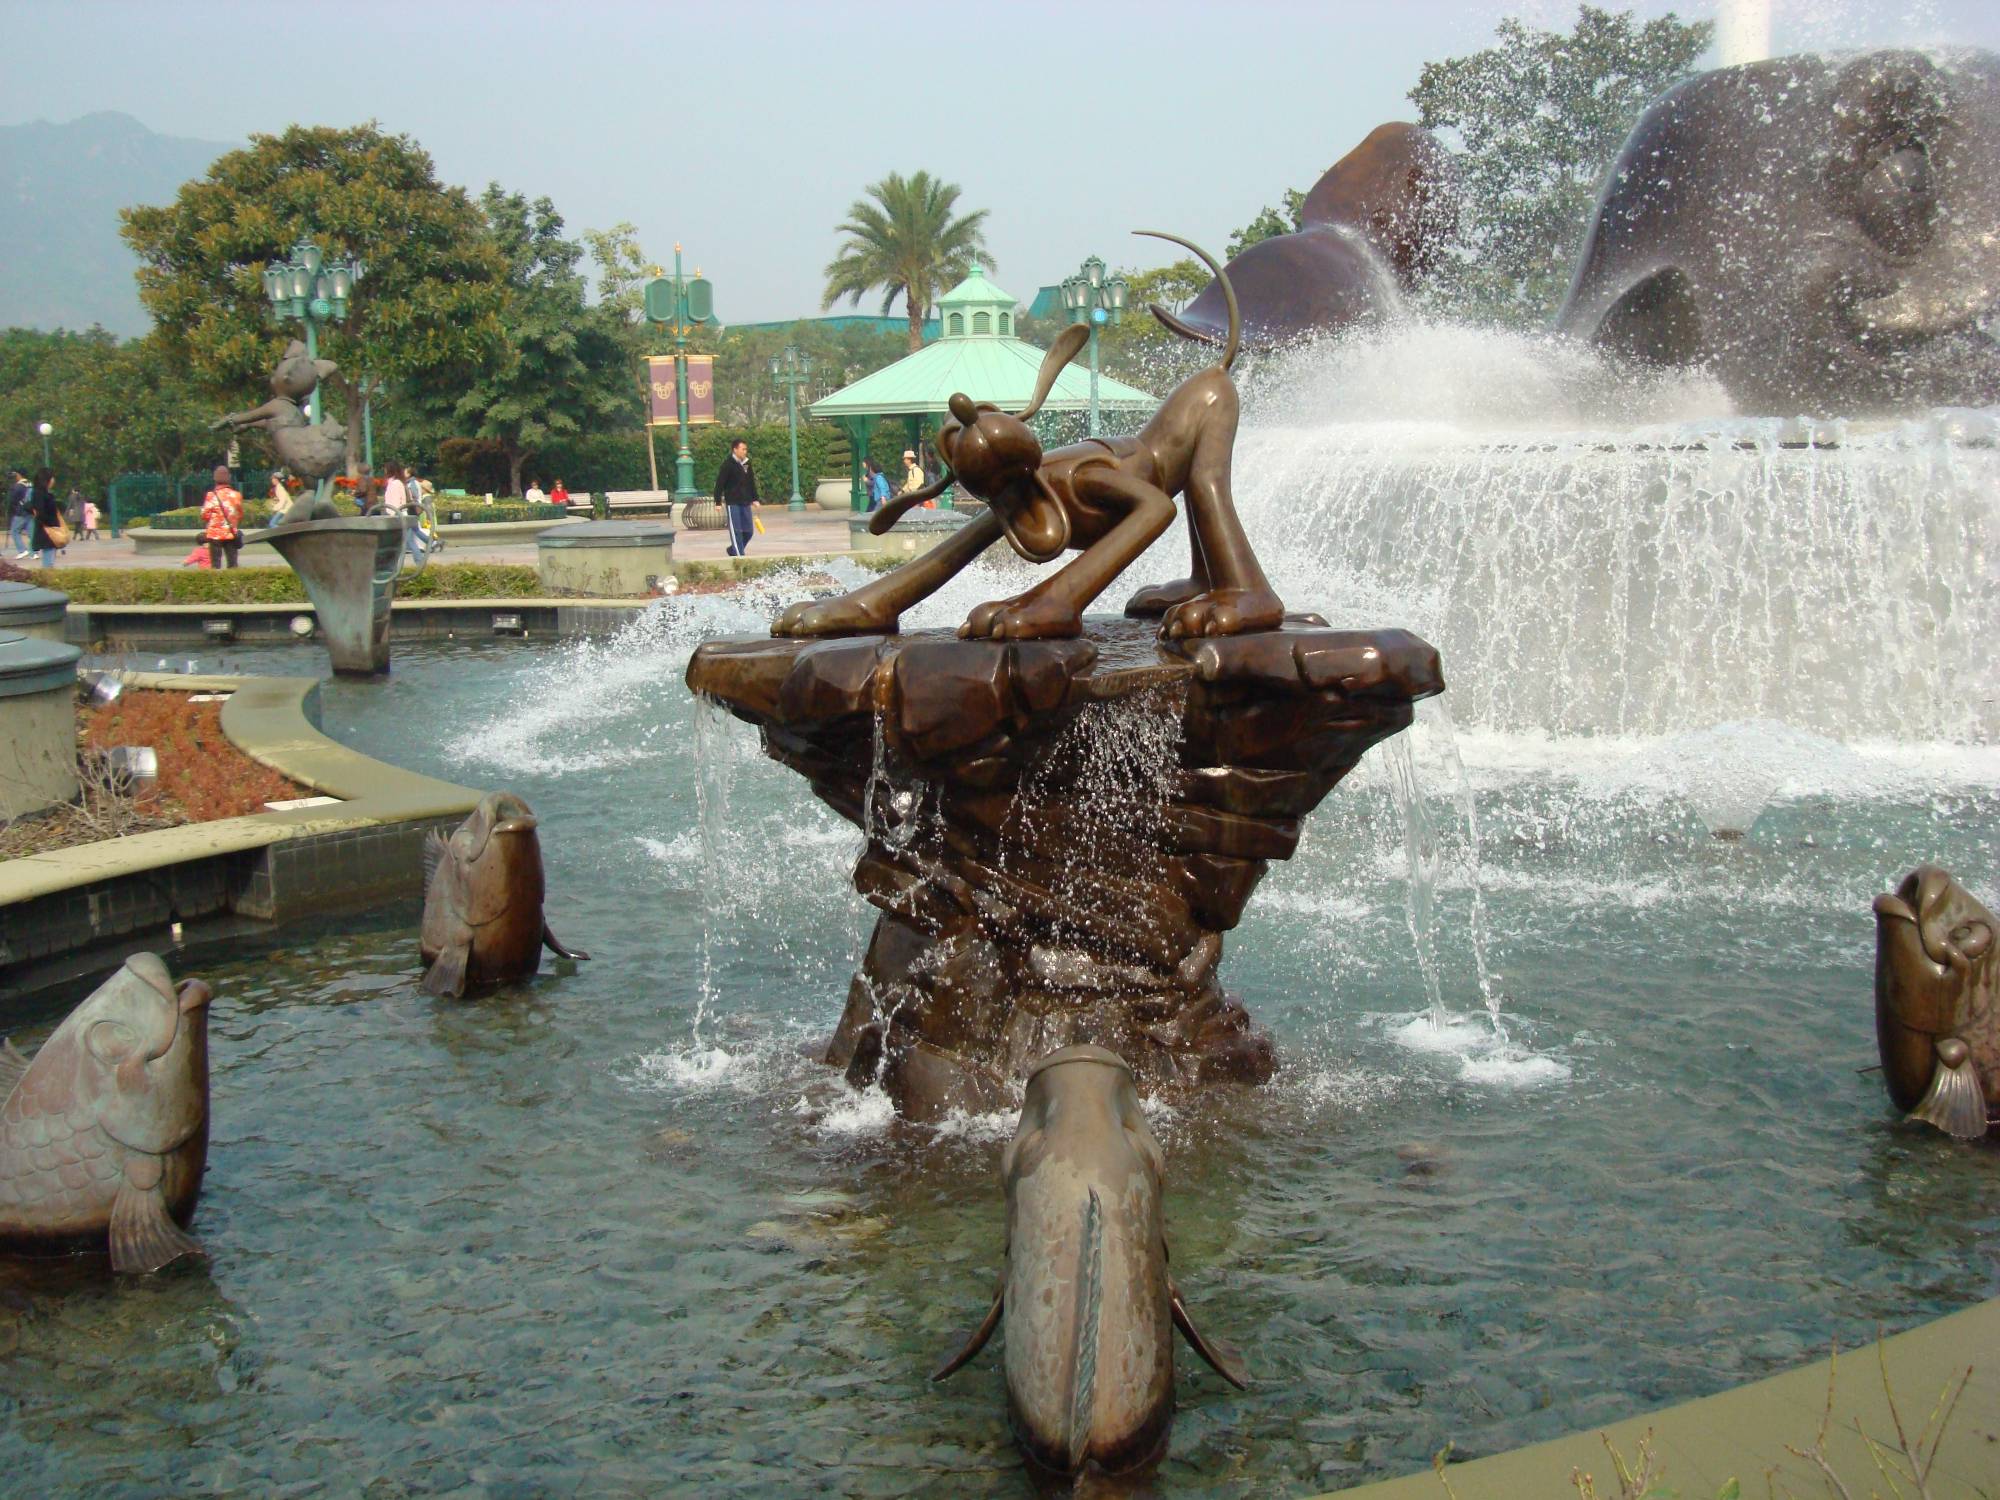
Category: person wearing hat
[222,520]
[913,472]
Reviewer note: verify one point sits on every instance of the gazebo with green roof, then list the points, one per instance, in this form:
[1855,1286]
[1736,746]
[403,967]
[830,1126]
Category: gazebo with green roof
[976,352]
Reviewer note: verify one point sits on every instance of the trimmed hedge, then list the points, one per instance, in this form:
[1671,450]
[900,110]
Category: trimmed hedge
[281,585]
[258,513]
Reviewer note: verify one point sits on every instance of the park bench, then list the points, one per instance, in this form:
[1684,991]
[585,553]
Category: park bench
[638,502]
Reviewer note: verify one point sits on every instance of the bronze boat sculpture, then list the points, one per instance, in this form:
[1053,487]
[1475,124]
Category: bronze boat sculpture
[104,1135]
[1085,1298]
[1937,1003]
[483,890]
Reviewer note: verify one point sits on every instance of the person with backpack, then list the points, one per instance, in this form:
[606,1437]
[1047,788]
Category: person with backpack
[222,520]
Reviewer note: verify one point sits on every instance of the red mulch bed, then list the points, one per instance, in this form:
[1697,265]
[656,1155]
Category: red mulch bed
[202,775]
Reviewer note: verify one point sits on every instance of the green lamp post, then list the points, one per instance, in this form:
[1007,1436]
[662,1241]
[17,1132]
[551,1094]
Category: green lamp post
[314,291]
[1095,299]
[680,304]
[45,429]
[792,370]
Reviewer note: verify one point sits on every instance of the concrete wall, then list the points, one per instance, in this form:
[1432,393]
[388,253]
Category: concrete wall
[37,750]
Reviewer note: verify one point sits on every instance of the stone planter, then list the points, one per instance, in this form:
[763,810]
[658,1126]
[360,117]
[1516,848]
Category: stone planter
[348,566]
[37,723]
[31,610]
[703,515]
[605,559]
[834,495]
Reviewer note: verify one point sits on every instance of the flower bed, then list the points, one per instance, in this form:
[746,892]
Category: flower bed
[202,776]
[257,513]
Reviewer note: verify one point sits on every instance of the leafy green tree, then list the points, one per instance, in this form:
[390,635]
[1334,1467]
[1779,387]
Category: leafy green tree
[429,304]
[1269,224]
[566,370]
[115,407]
[1538,118]
[907,243]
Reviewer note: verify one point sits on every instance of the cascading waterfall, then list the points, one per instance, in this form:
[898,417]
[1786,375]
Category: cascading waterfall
[1588,579]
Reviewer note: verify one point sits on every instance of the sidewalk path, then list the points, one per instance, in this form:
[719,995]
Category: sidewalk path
[813,533]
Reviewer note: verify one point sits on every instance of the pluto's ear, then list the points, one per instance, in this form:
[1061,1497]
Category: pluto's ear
[1039,529]
[1066,348]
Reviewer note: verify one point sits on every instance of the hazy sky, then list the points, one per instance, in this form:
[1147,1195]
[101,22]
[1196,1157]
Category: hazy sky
[744,128]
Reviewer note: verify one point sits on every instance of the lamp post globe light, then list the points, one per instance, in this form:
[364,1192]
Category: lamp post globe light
[1095,298]
[680,304]
[310,289]
[791,370]
[44,429]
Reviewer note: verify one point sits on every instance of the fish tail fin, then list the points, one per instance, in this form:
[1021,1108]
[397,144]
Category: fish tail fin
[144,1236]
[1955,1102]
[1089,1307]
[447,975]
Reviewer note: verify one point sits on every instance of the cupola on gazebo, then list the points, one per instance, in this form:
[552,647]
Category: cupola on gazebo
[976,352]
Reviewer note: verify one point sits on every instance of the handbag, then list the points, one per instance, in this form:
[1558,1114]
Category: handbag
[57,534]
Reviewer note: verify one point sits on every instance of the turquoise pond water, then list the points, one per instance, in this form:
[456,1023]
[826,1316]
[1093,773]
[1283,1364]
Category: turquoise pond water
[614,1232]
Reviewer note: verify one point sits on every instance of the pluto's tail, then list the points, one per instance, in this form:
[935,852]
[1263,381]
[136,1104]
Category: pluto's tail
[1235,341]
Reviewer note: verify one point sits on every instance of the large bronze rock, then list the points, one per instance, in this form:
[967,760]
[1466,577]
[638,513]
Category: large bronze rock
[1059,832]
[1822,233]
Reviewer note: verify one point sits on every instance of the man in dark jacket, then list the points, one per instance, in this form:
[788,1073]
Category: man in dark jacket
[736,488]
[20,513]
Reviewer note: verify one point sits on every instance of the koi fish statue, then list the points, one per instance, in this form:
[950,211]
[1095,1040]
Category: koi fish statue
[104,1134]
[1088,1305]
[483,891]
[1937,1003]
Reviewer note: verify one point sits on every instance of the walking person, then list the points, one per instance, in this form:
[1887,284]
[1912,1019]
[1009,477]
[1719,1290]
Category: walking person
[90,518]
[395,494]
[222,520]
[20,513]
[736,488]
[51,532]
[913,472]
[878,484]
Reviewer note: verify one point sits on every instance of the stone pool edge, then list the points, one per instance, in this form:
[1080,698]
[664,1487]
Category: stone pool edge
[1743,1433]
[72,910]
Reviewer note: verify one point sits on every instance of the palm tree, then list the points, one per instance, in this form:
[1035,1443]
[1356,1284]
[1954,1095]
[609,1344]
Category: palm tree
[906,242]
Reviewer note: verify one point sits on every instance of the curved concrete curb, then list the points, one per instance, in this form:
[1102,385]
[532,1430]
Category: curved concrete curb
[1744,1433]
[268,866]
[150,541]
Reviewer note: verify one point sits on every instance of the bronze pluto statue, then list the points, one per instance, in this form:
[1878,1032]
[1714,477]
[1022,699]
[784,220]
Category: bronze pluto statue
[1088,1305]
[483,889]
[1109,498]
[104,1135]
[317,451]
[1937,1003]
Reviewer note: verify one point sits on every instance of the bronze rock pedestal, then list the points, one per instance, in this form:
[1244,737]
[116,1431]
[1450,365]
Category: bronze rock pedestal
[1059,832]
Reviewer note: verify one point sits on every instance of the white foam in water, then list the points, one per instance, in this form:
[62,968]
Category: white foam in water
[1485,1055]
[868,1112]
[696,1070]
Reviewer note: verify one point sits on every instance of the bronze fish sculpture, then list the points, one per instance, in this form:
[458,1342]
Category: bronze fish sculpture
[483,893]
[1088,1304]
[105,1133]
[1937,1003]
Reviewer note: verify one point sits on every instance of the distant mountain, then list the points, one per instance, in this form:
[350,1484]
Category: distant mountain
[61,187]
